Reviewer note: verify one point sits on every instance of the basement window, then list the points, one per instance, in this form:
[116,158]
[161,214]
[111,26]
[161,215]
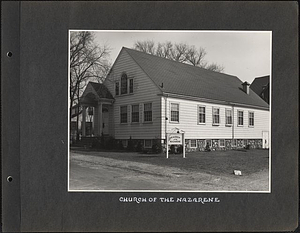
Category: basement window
[148,143]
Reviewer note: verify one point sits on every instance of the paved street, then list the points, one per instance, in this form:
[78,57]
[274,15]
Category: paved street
[90,172]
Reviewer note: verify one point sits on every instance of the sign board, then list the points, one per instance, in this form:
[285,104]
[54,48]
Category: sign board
[175,139]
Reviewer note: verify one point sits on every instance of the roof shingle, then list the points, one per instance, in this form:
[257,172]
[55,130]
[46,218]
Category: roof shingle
[188,80]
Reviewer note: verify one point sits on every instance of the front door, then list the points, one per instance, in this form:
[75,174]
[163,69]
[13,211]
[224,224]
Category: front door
[105,115]
[265,138]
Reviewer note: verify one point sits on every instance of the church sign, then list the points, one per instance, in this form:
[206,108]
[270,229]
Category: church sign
[175,139]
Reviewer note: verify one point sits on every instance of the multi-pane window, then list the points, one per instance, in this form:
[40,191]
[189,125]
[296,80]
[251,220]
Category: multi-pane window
[174,112]
[123,114]
[148,143]
[193,143]
[222,143]
[124,84]
[228,113]
[148,112]
[131,85]
[240,118]
[216,116]
[135,113]
[202,114]
[117,88]
[251,118]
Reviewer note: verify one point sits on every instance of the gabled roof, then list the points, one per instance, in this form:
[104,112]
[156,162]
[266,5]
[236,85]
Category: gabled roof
[101,90]
[182,79]
[260,82]
[95,92]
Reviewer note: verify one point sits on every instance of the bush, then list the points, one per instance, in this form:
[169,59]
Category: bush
[156,148]
[139,147]
[120,145]
[130,146]
[110,143]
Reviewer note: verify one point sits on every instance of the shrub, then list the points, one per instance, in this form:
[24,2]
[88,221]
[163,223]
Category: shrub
[130,146]
[139,146]
[120,145]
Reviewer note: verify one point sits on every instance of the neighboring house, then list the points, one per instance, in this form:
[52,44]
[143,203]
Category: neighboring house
[261,86]
[145,96]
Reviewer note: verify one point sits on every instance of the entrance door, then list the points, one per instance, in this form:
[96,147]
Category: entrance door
[265,138]
[105,122]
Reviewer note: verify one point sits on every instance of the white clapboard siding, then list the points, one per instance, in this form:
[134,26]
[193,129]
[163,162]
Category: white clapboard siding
[188,121]
[145,91]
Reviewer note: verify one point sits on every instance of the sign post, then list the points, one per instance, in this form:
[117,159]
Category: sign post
[183,146]
[175,139]
[167,145]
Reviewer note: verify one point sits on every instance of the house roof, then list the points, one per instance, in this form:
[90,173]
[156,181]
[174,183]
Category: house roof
[95,92]
[183,79]
[101,90]
[258,84]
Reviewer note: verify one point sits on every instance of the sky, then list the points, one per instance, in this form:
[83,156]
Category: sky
[245,54]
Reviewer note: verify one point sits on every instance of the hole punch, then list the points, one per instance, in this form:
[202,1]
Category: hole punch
[9,54]
[9,179]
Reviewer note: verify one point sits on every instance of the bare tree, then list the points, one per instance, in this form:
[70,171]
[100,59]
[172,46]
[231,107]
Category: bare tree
[215,67]
[88,62]
[181,52]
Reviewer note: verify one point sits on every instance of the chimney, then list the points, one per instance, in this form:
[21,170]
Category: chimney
[246,87]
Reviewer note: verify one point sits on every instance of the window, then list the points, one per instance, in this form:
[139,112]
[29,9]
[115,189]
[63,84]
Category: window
[131,85]
[124,84]
[201,114]
[222,143]
[117,88]
[174,112]
[148,143]
[216,116]
[123,114]
[228,113]
[124,143]
[148,112]
[135,113]
[193,143]
[251,119]
[240,118]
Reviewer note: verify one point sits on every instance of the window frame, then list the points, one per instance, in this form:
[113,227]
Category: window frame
[123,106]
[191,143]
[138,113]
[213,123]
[144,121]
[223,142]
[226,116]
[171,121]
[201,123]
[238,118]
[117,89]
[130,80]
[124,76]
[150,143]
[249,119]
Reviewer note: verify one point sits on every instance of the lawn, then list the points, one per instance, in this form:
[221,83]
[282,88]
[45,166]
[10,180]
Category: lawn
[214,162]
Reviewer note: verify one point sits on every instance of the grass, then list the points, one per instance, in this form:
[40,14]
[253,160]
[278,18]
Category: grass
[214,162]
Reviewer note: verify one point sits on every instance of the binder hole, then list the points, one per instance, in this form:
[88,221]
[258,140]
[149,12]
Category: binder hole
[9,54]
[9,179]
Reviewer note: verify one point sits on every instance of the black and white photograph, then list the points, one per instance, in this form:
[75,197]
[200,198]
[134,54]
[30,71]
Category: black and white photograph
[169,111]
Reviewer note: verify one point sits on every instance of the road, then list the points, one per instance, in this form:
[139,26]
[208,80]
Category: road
[89,172]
